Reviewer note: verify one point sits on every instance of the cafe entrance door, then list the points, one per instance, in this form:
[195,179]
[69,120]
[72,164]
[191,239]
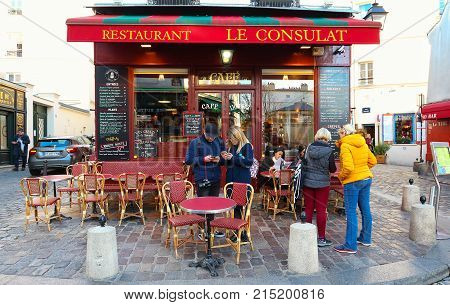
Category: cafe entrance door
[228,108]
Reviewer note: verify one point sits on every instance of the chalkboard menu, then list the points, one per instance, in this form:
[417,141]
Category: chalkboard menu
[334,100]
[111,104]
[192,123]
[146,142]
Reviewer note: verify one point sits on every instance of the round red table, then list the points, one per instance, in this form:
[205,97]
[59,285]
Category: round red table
[208,206]
[54,179]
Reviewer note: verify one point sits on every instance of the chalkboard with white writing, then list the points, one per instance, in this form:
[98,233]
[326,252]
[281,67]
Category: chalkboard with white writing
[334,100]
[111,109]
[146,142]
[192,124]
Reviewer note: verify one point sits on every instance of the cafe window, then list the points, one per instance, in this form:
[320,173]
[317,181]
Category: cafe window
[287,109]
[160,99]
[404,128]
[221,78]
[366,73]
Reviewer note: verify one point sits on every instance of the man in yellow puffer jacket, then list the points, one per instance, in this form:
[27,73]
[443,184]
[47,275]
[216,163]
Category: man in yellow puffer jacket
[355,162]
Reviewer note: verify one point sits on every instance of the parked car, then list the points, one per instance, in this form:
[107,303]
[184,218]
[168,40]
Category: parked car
[59,152]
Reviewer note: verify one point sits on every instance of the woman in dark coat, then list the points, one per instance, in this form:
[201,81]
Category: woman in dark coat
[239,159]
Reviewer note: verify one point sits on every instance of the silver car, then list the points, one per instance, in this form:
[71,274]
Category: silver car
[58,152]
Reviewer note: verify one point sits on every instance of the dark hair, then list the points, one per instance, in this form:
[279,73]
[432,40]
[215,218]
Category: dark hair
[277,149]
[20,129]
[301,148]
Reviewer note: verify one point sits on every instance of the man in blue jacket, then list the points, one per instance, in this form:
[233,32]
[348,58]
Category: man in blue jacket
[204,155]
[20,149]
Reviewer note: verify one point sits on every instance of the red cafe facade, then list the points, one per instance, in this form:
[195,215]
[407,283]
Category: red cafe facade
[163,71]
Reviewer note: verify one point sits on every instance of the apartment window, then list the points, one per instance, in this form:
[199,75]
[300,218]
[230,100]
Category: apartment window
[16,7]
[14,45]
[366,73]
[14,77]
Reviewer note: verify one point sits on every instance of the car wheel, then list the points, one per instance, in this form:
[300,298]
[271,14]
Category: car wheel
[35,172]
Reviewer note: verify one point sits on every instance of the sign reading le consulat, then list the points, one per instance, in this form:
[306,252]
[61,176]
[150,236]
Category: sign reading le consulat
[228,34]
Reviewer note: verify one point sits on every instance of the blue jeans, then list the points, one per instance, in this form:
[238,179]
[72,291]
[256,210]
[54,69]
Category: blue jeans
[358,193]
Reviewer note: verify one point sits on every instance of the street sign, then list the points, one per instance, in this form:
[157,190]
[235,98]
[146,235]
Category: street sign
[366,110]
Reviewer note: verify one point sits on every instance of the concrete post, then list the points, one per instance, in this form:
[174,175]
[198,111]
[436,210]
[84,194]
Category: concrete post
[411,195]
[303,254]
[422,227]
[102,261]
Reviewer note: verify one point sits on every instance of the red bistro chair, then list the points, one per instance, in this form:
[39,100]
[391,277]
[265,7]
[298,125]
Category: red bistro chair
[242,194]
[161,179]
[283,188]
[74,170]
[35,191]
[174,193]
[92,192]
[131,192]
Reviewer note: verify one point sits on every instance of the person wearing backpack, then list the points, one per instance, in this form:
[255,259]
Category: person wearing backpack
[238,160]
[317,166]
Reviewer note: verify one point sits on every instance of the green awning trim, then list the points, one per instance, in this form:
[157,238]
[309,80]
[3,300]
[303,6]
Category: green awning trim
[261,21]
[327,22]
[194,20]
[123,20]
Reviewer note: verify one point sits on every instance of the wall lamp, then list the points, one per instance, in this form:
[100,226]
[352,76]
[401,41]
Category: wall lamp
[226,56]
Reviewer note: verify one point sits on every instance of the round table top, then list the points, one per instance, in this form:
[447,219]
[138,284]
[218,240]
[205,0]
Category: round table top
[57,178]
[207,205]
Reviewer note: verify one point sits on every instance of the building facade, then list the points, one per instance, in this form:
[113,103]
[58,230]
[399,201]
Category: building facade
[164,71]
[390,80]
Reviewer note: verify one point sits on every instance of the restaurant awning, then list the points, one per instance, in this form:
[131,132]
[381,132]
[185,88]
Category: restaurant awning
[223,29]
[440,110]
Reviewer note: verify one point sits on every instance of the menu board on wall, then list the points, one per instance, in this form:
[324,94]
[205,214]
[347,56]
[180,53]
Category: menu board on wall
[111,103]
[334,100]
[146,142]
[192,123]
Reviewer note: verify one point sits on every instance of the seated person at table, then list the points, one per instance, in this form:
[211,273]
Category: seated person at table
[278,161]
[265,166]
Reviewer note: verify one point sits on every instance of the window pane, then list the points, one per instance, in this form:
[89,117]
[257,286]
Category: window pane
[3,132]
[210,103]
[241,112]
[160,100]
[288,111]
[404,124]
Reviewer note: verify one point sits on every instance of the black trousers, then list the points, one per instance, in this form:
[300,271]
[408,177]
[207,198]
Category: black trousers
[213,190]
[16,159]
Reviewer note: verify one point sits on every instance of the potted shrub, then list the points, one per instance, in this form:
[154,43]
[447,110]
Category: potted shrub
[380,152]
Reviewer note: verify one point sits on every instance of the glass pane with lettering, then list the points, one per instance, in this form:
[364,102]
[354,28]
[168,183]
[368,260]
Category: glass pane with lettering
[230,78]
[210,103]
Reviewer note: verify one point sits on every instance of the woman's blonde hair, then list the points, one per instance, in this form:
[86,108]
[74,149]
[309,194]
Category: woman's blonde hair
[238,135]
[323,134]
[348,129]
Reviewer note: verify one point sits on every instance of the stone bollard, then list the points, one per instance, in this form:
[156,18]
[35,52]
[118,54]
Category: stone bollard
[303,254]
[422,226]
[411,195]
[102,261]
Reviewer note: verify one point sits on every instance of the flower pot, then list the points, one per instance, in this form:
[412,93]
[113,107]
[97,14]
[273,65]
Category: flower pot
[381,159]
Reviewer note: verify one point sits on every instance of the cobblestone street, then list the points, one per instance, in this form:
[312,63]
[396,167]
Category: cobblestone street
[142,256]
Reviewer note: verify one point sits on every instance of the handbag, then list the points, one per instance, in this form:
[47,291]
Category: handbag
[254,168]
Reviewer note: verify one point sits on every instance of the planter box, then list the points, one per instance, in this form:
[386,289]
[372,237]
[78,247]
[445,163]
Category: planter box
[381,159]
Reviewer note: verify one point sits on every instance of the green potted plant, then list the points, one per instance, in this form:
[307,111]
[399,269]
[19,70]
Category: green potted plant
[380,152]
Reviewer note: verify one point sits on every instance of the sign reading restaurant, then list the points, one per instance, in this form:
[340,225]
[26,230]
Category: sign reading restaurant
[221,34]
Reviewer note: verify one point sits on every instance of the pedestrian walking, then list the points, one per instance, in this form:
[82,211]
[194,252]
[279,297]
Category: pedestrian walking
[20,149]
[238,160]
[317,166]
[356,160]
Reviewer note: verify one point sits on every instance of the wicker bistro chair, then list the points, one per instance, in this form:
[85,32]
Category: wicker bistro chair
[242,194]
[283,188]
[74,170]
[174,193]
[35,191]
[92,191]
[162,179]
[131,192]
